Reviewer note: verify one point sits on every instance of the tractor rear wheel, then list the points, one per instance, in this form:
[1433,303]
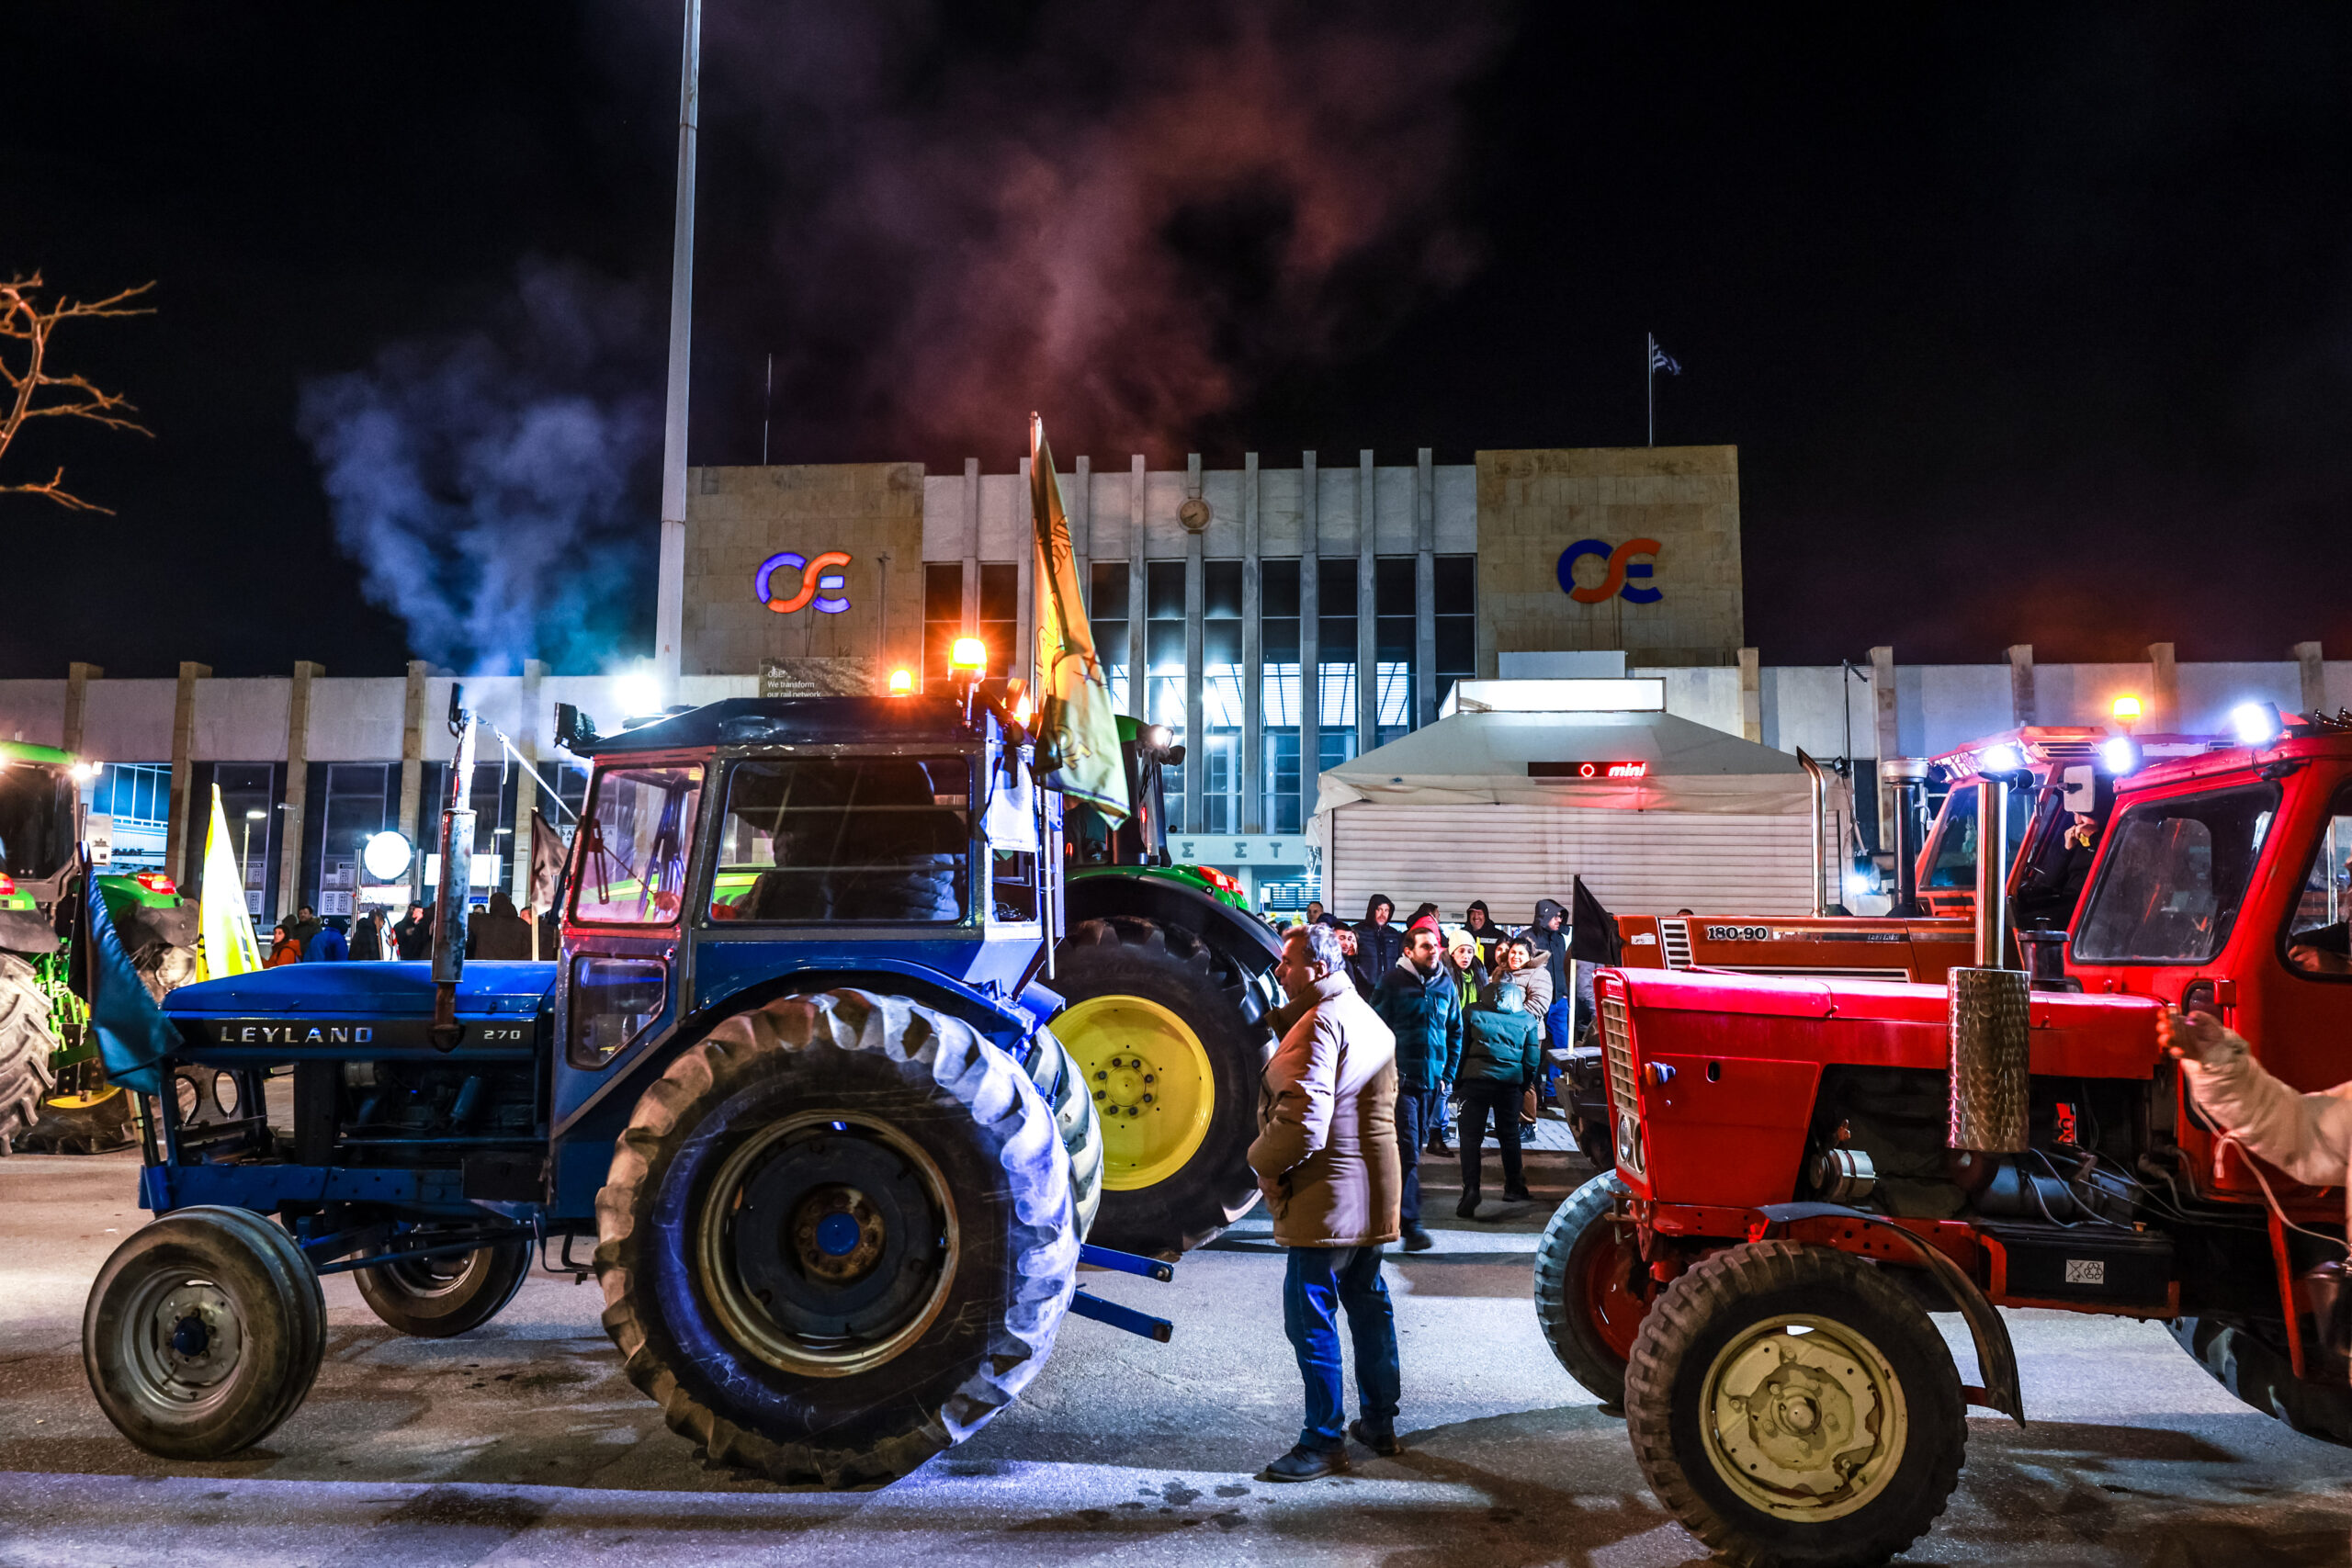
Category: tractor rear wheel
[203,1332]
[1591,1288]
[1054,1072]
[1790,1405]
[1156,1024]
[436,1298]
[26,1042]
[2259,1374]
[836,1238]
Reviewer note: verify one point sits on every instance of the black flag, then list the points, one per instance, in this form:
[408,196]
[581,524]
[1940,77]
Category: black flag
[1593,934]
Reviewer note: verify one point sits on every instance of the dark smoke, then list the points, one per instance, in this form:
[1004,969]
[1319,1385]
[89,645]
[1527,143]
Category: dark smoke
[1127,216]
[494,485]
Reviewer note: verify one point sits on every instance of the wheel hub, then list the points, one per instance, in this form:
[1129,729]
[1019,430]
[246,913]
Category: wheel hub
[1804,1417]
[1151,1081]
[837,1233]
[197,1335]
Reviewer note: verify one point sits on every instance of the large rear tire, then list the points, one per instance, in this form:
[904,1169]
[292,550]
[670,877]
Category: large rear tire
[2257,1372]
[1157,1026]
[1790,1405]
[837,1238]
[1591,1288]
[1054,1072]
[26,1040]
[203,1332]
[438,1298]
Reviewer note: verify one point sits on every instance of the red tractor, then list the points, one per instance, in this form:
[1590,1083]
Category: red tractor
[1807,1167]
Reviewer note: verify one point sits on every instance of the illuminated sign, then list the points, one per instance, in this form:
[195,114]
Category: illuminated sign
[1621,566]
[1587,770]
[818,586]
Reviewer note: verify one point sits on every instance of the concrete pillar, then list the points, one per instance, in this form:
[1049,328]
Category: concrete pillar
[970,523]
[1310,656]
[2021,704]
[1080,504]
[526,787]
[1888,729]
[1425,589]
[2164,689]
[297,784]
[1751,695]
[2310,662]
[412,771]
[1367,642]
[77,691]
[1253,659]
[1195,736]
[1138,678]
[176,861]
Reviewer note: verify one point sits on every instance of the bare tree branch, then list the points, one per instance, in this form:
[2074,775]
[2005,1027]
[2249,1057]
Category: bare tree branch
[34,393]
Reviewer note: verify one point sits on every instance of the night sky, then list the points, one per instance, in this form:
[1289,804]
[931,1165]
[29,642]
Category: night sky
[2031,325]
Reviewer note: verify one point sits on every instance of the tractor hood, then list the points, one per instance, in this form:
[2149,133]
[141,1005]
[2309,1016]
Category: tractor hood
[382,1006]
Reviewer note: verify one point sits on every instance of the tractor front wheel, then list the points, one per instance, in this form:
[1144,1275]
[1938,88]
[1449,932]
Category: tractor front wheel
[836,1238]
[1790,1405]
[1592,1290]
[436,1298]
[1156,1024]
[2260,1373]
[203,1332]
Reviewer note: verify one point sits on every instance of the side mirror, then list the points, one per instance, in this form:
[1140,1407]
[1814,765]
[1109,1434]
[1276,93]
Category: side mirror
[2082,788]
[574,731]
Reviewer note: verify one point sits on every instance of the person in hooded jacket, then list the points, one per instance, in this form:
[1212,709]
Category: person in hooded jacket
[413,938]
[1379,943]
[1501,1053]
[1420,1002]
[1553,943]
[499,931]
[1482,931]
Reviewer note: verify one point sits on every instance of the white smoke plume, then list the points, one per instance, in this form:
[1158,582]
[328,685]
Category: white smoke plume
[495,486]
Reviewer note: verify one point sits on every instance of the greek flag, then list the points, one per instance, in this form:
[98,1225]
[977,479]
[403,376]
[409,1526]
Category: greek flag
[1660,359]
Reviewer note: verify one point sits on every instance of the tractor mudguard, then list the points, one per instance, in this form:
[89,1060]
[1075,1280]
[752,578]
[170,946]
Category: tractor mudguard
[1997,1358]
[1247,940]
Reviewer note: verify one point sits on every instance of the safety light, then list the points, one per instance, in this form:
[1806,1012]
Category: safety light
[84,772]
[1220,880]
[2257,724]
[636,692]
[1020,711]
[7,884]
[2126,710]
[969,653]
[156,882]
[387,856]
[1156,737]
[2002,759]
[902,682]
[2120,754]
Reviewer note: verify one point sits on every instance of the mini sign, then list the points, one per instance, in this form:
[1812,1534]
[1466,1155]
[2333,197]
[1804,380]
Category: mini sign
[1587,770]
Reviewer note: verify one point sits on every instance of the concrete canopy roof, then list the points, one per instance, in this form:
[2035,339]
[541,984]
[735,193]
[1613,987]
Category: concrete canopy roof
[1474,759]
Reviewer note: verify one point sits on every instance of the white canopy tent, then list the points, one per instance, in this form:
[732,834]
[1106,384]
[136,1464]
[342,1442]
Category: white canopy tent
[1504,801]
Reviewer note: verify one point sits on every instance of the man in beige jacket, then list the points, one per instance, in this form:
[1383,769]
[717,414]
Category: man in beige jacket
[2309,1136]
[1327,1163]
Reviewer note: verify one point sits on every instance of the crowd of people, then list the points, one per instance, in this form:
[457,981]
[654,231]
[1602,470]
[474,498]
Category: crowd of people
[500,931]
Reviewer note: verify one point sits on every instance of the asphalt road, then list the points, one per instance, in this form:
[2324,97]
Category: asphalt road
[523,1444]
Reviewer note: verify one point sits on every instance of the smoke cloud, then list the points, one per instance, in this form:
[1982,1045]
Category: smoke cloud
[1132,216]
[495,486]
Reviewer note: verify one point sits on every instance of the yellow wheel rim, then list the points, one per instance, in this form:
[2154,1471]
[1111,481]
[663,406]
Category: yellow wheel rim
[82,1101]
[1151,1081]
[1803,1418]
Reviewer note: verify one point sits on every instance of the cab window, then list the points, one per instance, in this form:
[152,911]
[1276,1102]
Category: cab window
[1955,861]
[2174,876]
[635,838]
[846,839]
[2318,938]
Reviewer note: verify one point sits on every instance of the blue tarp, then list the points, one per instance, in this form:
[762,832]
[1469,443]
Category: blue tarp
[133,1034]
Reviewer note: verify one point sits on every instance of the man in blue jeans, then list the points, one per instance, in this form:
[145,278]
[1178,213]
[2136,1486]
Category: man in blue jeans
[1325,1158]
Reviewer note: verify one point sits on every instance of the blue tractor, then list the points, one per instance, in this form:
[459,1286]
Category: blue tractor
[789,1091]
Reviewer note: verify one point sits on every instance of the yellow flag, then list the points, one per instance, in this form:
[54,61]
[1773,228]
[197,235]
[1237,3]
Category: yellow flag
[1078,728]
[229,945]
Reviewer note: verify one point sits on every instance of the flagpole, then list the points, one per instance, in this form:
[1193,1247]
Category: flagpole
[1649,381]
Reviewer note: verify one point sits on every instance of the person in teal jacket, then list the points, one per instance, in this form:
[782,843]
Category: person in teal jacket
[1502,1051]
[1420,1002]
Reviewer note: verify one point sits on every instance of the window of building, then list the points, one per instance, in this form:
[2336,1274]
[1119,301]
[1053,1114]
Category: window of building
[1163,592]
[943,618]
[355,809]
[1278,644]
[1108,619]
[249,804]
[1457,622]
[1000,614]
[1221,670]
[1394,630]
[1335,658]
[138,795]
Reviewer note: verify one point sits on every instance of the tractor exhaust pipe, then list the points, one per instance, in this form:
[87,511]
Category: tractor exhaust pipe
[1990,1005]
[457,880]
[1904,775]
[1820,833]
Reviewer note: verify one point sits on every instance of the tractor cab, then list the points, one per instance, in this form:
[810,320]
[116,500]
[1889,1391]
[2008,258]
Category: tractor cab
[1139,844]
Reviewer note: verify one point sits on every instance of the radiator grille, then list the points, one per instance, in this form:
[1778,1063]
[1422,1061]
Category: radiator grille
[1675,934]
[1617,1048]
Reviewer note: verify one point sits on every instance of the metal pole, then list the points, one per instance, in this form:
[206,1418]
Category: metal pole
[670,592]
[449,911]
[1992,872]
[1650,381]
[768,408]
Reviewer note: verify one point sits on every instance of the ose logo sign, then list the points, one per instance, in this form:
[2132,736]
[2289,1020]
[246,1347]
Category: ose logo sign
[1621,566]
[816,585]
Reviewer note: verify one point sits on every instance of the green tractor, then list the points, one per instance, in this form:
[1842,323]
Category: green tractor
[54,1096]
[1169,980]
